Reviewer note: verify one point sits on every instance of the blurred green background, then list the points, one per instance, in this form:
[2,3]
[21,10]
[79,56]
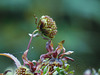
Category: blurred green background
[78,23]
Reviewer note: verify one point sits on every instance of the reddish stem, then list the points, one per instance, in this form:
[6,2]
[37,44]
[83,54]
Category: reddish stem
[31,39]
[29,42]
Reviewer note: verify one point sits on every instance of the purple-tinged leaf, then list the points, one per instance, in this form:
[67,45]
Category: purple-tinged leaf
[64,50]
[67,58]
[24,57]
[26,61]
[69,52]
[55,54]
[66,53]
[34,61]
[17,62]
[44,56]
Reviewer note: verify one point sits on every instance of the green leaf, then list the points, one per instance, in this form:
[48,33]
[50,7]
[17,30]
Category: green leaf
[58,69]
[71,72]
[45,70]
[67,67]
[43,67]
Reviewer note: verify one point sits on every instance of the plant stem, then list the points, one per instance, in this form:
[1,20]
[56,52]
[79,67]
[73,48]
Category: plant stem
[31,39]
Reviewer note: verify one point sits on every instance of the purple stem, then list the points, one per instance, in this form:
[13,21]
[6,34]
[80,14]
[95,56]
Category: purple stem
[31,39]
[29,42]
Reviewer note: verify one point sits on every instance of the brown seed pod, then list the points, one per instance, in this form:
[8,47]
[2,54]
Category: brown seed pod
[47,26]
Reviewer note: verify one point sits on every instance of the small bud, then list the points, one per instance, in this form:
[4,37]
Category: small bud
[47,26]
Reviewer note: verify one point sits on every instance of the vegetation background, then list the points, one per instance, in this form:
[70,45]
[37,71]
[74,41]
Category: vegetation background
[78,23]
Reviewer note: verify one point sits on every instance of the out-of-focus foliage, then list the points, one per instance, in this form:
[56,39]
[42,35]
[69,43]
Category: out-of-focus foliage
[78,24]
[93,72]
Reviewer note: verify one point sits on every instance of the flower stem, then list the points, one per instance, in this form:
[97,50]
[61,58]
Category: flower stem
[31,39]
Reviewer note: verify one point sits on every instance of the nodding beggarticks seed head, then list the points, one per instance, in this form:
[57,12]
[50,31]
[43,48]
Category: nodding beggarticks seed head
[23,71]
[47,26]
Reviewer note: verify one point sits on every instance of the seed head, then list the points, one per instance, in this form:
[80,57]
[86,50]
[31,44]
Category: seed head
[23,71]
[47,26]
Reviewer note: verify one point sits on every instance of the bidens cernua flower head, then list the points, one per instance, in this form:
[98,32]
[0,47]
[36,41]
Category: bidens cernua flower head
[23,71]
[47,26]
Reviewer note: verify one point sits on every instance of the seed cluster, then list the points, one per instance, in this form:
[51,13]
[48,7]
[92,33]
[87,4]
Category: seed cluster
[47,26]
[22,71]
